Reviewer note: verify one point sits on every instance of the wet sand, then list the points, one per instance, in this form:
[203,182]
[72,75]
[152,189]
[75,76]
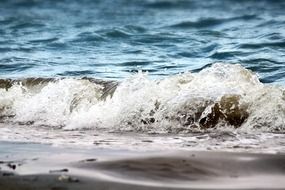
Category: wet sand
[38,166]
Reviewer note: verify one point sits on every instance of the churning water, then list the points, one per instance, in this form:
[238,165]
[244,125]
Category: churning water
[210,71]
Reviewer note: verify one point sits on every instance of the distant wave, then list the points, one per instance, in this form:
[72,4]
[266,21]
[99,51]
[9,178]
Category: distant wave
[111,39]
[208,22]
[217,96]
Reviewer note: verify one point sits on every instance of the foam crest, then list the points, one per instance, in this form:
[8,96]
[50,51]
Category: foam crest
[51,104]
[219,96]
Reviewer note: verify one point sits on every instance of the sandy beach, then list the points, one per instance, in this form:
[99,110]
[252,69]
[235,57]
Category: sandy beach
[37,166]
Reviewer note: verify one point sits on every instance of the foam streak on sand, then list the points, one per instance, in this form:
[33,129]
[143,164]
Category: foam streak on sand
[220,95]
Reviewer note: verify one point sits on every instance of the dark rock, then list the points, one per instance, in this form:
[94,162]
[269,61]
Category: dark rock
[12,166]
[6,174]
[91,160]
[58,171]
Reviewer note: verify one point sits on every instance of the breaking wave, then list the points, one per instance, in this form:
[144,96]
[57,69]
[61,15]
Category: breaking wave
[218,96]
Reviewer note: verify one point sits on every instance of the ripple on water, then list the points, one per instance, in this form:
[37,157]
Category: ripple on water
[189,34]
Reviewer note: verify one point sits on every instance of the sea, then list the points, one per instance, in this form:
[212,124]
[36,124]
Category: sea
[144,74]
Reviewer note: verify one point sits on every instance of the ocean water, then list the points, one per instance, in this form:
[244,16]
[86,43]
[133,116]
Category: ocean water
[154,74]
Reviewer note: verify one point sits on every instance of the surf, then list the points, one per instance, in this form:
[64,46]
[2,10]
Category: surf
[217,96]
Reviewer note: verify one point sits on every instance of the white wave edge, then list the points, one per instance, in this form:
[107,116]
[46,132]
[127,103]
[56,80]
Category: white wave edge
[75,104]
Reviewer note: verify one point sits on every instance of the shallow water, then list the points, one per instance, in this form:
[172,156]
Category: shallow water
[176,74]
[226,140]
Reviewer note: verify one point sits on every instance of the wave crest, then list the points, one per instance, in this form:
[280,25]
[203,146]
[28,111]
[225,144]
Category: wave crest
[217,96]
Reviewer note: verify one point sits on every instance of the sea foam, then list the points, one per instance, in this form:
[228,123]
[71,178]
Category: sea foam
[223,95]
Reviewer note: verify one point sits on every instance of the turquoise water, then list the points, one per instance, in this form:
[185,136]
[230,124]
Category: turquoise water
[112,39]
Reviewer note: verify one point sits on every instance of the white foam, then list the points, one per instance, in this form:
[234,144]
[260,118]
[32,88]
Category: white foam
[53,104]
[142,104]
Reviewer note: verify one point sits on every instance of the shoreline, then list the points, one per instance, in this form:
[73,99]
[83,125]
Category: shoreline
[39,166]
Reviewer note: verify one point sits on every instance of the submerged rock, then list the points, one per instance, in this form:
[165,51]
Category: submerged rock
[228,110]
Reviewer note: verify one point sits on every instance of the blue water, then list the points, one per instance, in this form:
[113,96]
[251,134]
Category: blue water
[112,39]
